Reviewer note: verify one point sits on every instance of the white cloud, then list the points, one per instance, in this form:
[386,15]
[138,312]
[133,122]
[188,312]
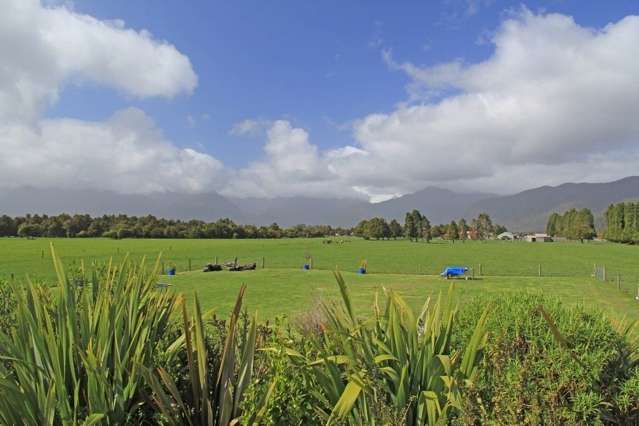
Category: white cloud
[45,47]
[554,102]
[126,153]
[291,166]
[554,96]
[250,127]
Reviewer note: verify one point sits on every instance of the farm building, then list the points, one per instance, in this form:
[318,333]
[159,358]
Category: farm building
[541,238]
[506,236]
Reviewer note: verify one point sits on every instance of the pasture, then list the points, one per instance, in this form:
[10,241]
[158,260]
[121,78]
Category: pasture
[283,288]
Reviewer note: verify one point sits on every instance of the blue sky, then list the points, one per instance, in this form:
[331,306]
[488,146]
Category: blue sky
[315,63]
[351,99]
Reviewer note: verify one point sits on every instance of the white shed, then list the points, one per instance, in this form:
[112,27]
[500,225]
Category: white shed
[541,238]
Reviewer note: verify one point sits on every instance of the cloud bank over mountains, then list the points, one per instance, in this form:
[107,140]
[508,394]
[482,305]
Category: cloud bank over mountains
[555,101]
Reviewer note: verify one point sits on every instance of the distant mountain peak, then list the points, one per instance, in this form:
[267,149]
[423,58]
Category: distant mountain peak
[525,211]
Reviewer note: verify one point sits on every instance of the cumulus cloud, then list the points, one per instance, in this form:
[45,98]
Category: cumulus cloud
[250,127]
[45,47]
[553,96]
[291,165]
[554,102]
[126,153]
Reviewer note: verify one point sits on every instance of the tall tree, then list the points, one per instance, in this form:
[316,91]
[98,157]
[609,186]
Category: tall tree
[410,230]
[8,226]
[463,229]
[483,226]
[378,228]
[573,224]
[453,232]
[426,233]
[418,219]
[395,229]
[553,225]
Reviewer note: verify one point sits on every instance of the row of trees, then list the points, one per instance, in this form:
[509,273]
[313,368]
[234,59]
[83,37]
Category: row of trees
[573,224]
[622,222]
[123,226]
[417,227]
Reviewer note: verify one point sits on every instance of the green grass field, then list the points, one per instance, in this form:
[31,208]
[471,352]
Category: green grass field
[411,268]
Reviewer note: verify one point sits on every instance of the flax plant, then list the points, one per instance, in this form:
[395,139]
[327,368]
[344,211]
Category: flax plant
[394,360]
[76,351]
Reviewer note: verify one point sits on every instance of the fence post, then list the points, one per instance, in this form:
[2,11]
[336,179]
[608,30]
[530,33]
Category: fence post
[12,277]
[216,260]
[311,262]
[479,269]
[263,262]
[540,269]
[604,273]
[618,282]
[42,254]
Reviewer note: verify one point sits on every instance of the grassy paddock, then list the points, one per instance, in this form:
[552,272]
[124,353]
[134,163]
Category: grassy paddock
[283,288]
[274,292]
[22,256]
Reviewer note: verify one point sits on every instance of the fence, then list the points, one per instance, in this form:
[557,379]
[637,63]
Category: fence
[620,281]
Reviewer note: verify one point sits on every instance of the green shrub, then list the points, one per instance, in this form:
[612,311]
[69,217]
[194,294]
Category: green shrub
[7,307]
[529,377]
[208,396]
[394,367]
[76,351]
[293,399]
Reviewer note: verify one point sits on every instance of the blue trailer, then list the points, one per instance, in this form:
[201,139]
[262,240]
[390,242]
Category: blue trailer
[454,272]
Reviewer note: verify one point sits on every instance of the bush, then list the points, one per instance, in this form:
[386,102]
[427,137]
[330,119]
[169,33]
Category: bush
[394,367]
[7,307]
[292,399]
[76,351]
[529,377]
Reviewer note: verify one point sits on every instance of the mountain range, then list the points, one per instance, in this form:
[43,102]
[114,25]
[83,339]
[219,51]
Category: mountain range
[524,211]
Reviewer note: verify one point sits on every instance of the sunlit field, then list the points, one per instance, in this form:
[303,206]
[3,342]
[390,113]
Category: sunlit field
[279,286]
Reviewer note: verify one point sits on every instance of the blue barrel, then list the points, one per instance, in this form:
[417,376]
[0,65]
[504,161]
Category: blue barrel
[361,270]
[170,271]
[307,266]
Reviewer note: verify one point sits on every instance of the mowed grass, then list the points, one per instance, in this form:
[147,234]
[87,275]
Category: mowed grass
[411,268]
[22,256]
[277,292]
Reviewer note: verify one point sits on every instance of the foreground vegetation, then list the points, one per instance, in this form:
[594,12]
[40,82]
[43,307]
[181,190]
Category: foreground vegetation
[106,346]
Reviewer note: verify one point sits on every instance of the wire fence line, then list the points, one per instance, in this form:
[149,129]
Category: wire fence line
[616,278]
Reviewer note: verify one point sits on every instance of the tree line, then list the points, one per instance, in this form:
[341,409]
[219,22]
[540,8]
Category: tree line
[418,227]
[573,224]
[123,226]
[622,222]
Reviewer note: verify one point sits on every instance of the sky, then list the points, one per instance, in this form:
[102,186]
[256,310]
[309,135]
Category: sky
[358,99]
